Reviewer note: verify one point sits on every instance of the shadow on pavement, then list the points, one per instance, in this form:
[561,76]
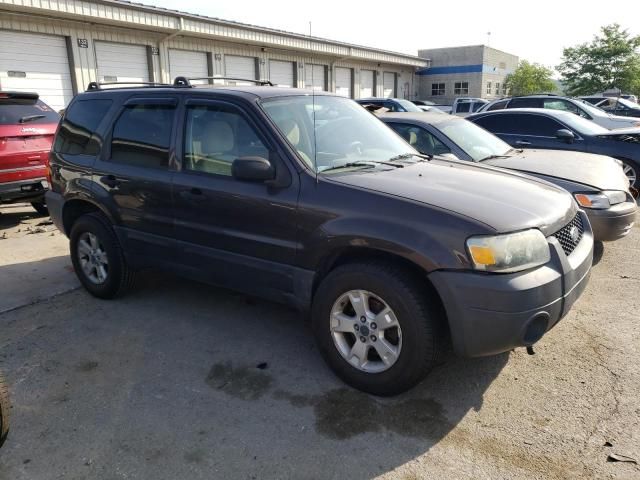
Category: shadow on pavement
[182,380]
[13,215]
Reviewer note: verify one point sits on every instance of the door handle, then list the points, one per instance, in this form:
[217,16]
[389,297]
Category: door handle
[193,195]
[522,143]
[110,181]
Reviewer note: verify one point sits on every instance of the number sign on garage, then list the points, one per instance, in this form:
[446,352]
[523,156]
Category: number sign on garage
[281,73]
[32,62]
[188,64]
[343,81]
[119,62]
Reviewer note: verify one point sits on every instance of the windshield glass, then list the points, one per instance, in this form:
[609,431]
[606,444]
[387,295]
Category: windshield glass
[474,140]
[592,109]
[582,125]
[343,132]
[407,105]
[627,103]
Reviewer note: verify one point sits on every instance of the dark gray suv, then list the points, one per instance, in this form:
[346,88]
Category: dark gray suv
[310,200]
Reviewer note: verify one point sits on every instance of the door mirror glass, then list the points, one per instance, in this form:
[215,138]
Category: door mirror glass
[566,135]
[253,169]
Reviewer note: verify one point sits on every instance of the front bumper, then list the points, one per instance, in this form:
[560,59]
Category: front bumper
[494,313]
[30,190]
[614,222]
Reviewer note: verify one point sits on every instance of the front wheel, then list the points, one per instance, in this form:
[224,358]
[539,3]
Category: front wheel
[632,172]
[377,326]
[41,208]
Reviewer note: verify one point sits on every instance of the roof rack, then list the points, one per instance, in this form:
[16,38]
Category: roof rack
[98,85]
[186,82]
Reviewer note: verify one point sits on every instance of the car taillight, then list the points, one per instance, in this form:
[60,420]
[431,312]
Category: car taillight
[48,171]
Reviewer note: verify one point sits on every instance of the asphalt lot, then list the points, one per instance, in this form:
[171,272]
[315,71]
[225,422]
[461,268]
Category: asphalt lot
[179,380]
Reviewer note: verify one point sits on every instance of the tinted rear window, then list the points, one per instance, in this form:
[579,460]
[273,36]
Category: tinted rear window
[520,124]
[525,103]
[14,111]
[76,135]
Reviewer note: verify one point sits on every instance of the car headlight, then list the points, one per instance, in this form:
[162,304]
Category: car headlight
[602,200]
[510,252]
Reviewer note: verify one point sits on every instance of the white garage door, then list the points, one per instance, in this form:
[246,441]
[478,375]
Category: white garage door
[281,73]
[239,67]
[389,81]
[119,62]
[366,84]
[314,78]
[188,64]
[343,81]
[36,63]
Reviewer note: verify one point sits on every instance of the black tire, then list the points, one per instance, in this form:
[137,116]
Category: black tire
[119,276]
[41,208]
[636,171]
[5,407]
[416,309]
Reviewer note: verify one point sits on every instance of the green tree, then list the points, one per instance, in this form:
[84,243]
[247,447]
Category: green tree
[610,60]
[530,78]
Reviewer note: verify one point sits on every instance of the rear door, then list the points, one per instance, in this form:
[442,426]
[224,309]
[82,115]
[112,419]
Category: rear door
[133,174]
[235,233]
[27,126]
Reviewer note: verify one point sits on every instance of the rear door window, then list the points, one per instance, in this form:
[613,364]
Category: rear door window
[498,105]
[520,124]
[525,103]
[142,135]
[77,133]
[26,111]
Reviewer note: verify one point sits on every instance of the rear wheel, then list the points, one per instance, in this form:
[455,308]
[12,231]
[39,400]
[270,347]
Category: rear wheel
[40,207]
[98,258]
[4,409]
[377,327]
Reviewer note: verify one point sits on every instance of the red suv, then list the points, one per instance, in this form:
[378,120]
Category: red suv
[27,126]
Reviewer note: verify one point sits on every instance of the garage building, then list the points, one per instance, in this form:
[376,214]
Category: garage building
[57,47]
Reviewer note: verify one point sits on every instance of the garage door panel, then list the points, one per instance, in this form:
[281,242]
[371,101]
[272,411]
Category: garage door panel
[389,82]
[188,64]
[44,61]
[315,78]
[281,73]
[343,81]
[127,63]
[240,67]
[366,84]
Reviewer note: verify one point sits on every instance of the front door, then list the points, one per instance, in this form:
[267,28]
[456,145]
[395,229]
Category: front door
[239,234]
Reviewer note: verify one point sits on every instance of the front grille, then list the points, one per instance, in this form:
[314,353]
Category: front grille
[568,241]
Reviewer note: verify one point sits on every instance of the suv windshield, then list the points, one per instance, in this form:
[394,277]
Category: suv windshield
[14,111]
[474,140]
[329,132]
[582,125]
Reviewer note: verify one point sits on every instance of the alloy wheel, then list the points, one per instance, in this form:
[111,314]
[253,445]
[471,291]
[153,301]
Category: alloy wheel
[93,258]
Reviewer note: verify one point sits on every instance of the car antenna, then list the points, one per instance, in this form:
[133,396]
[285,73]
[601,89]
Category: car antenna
[313,110]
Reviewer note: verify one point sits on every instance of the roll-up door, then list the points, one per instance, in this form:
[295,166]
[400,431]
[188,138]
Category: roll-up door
[120,62]
[389,82]
[240,67]
[314,77]
[343,81]
[366,84]
[32,62]
[188,64]
[281,73]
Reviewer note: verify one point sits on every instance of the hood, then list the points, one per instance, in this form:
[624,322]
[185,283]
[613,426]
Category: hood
[597,171]
[505,201]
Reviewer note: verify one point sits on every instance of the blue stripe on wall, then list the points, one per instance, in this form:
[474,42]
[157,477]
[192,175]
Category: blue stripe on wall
[461,69]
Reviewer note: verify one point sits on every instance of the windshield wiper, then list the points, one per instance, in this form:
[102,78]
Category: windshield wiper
[492,157]
[29,118]
[402,156]
[369,164]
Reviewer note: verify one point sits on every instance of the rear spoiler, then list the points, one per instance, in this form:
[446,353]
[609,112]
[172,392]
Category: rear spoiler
[19,95]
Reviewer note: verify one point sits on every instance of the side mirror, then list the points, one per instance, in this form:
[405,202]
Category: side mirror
[566,135]
[253,169]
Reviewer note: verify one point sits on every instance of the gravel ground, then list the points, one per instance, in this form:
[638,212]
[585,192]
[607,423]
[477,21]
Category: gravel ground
[182,381]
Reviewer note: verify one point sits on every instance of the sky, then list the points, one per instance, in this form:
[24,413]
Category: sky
[535,31]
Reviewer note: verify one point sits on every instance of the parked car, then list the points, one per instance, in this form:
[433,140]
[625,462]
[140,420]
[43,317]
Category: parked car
[27,126]
[5,407]
[312,201]
[391,104]
[464,106]
[555,102]
[423,103]
[431,109]
[615,106]
[598,183]
[544,128]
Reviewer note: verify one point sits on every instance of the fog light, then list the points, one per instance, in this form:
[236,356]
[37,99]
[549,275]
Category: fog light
[536,328]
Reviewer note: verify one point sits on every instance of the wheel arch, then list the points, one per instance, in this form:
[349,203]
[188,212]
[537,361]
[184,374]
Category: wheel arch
[75,208]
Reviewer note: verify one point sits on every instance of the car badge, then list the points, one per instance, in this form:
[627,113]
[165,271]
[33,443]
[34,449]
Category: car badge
[574,233]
